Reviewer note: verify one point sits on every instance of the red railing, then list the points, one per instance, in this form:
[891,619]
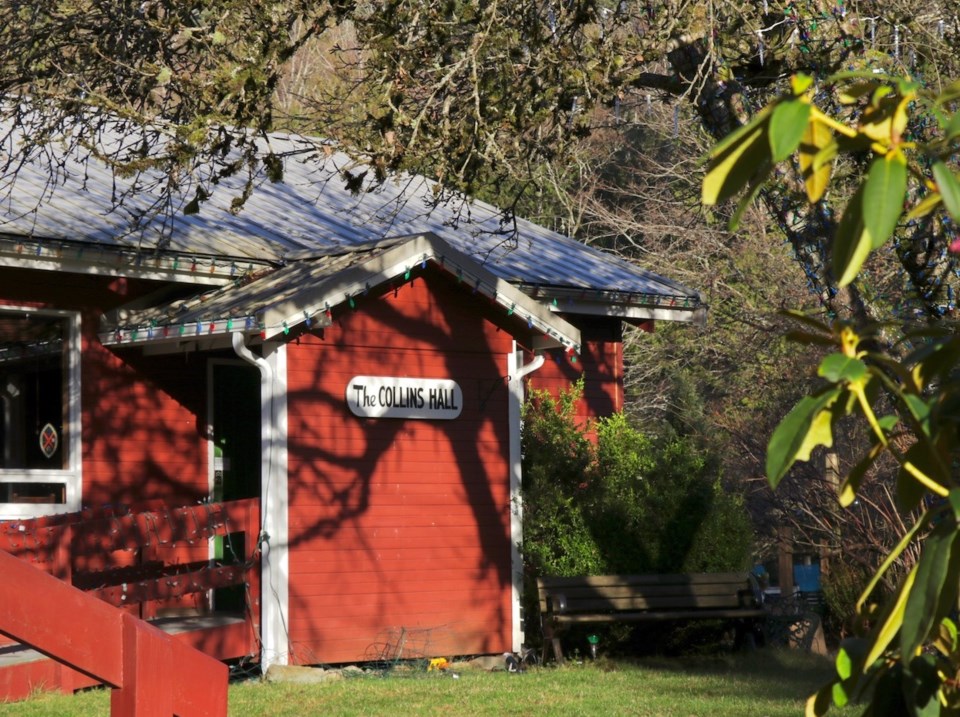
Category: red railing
[150,672]
[57,544]
[111,558]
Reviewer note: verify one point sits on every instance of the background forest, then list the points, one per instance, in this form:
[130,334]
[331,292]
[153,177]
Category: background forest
[589,116]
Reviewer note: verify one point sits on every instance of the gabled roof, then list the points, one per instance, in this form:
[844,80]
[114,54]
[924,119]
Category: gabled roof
[306,293]
[69,219]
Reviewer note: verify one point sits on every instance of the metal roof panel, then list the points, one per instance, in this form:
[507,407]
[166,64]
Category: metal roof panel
[309,211]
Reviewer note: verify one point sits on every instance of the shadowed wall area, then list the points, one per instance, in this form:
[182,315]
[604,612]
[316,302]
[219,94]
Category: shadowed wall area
[399,528]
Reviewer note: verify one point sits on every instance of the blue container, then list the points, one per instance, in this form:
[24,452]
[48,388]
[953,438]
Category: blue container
[807,578]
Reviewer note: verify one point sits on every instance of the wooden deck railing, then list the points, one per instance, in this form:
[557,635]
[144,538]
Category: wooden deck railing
[151,673]
[61,591]
[58,543]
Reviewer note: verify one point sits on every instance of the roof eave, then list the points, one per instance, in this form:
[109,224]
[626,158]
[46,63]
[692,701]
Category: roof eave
[116,261]
[313,304]
[696,314]
[399,260]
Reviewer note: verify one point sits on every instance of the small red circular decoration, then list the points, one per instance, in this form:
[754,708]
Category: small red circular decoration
[49,440]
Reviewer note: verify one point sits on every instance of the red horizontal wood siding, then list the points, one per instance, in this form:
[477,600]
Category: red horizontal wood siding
[142,417]
[599,364]
[400,529]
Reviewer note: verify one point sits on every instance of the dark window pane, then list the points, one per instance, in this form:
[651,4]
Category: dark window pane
[32,372]
[32,493]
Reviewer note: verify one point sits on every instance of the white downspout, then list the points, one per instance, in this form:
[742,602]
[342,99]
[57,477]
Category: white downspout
[516,373]
[274,556]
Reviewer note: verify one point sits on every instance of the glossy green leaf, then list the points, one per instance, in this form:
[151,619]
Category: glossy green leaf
[934,360]
[851,244]
[920,612]
[879,92]
[946,640]
[850,94]
[949,189]
[845,663]
[883,195]
[888,423]
[950,589]
[818,148]
[925,206]
[919,409]
[891,558]
[819,703]
[839,694]
[906,86]
[732,170]
[808,425]
[800,83]
[887,699]
[885,119]
[921,684]
[954,499]
[788,123]
[755,186]
[839,367]
[735,137]
[910,492]
[953,126]
[850,485]
[891,619]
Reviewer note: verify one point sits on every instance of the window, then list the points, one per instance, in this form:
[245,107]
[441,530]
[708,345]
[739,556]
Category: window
[39,397]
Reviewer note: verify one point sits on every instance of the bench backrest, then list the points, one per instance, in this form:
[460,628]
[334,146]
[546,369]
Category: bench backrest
[619,593]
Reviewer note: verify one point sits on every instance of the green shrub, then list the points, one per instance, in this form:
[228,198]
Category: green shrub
[630,503]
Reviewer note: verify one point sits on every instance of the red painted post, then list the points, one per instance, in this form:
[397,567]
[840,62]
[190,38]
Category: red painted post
[62,568]
[199,683]
[152,674]
[252,586]
[147,666]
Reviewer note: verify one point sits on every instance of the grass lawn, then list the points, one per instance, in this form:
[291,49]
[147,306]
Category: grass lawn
[766,683]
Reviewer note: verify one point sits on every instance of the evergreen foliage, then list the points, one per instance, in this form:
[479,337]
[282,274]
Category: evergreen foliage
[629,503]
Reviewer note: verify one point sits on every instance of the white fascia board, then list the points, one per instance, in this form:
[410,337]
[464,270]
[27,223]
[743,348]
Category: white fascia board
[639,313]
[396,261]
[94,261]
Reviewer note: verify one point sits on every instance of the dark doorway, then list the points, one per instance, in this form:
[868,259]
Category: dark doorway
[235,435]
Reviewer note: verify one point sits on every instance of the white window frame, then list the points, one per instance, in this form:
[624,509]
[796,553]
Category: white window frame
[71,475]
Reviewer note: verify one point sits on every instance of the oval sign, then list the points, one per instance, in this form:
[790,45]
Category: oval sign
[49,440]
[398,397]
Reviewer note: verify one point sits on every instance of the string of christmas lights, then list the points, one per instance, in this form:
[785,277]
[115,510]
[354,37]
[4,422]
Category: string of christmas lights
[216,267]
[321,311]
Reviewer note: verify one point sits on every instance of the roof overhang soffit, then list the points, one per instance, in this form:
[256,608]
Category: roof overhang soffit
[316,297]
[666,312]
[399,261]
[97,259]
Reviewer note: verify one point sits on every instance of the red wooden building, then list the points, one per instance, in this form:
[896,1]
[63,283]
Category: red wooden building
[354,362]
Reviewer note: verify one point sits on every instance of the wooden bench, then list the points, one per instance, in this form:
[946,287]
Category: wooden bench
[600,599]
